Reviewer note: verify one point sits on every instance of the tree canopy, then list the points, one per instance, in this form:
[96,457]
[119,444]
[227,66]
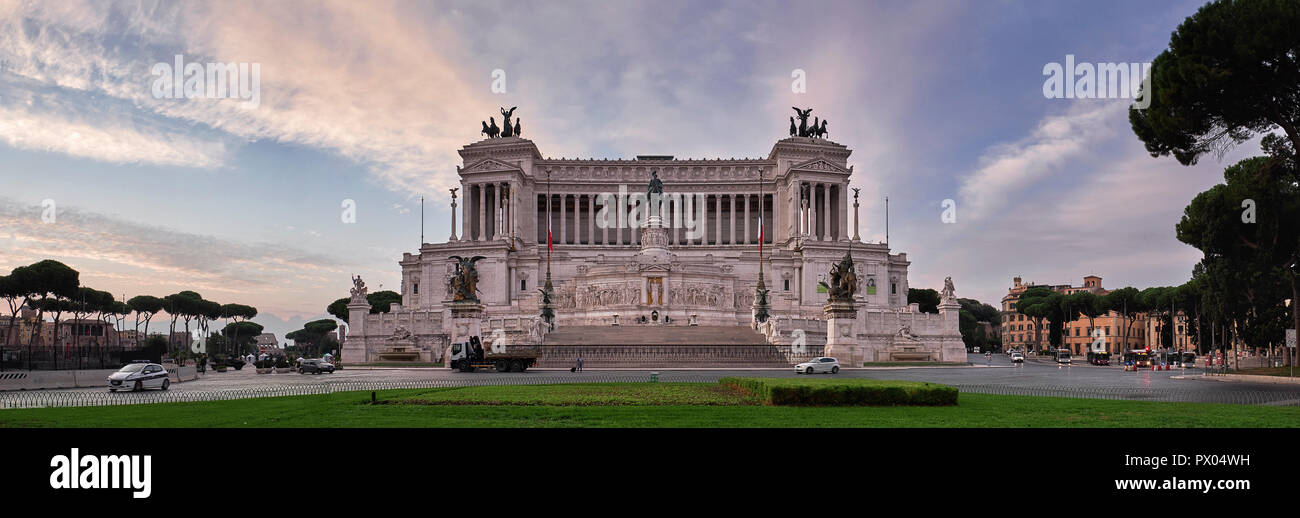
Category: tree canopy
[1232,71]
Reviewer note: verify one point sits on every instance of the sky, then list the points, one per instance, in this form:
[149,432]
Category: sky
[368,102]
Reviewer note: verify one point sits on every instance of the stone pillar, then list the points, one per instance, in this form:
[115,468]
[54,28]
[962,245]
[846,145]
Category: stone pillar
[731,206]
[718,211]
[496,211]
[749,238]
[841,339]
[826,212]
[604,230]
[482,213]
[591,219]
[855,220]
[564,229]
[812,210]
[951,348]
[547,225]
[466,322]
[842,211]
[355,350]
[453,217]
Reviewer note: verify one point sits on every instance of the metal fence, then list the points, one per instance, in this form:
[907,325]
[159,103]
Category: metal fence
[20,358]
[49,399]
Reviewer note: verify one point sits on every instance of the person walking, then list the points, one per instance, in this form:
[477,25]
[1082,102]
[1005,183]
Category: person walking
[988,358]
[579,362]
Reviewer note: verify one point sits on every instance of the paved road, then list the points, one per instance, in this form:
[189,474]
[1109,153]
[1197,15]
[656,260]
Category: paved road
[1001,377]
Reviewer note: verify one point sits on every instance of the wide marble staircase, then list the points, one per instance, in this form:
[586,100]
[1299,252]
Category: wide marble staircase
[660,346]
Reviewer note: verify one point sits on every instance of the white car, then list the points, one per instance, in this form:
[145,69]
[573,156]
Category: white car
[1017,358]
[139,376]
[823,364]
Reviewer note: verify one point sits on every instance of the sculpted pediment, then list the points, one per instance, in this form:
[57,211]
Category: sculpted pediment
[820,165]
[490,165]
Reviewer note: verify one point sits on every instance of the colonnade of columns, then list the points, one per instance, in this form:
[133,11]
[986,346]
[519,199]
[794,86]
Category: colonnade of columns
[822,210]
[726,219]
[488,212]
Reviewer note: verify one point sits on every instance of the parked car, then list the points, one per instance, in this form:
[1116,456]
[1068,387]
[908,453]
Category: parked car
[823,364]
[315,367]
[139,376]
[1017,358]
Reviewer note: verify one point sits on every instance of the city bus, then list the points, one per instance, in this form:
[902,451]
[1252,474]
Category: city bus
[1099,358]
[1138,358]
[1063,355]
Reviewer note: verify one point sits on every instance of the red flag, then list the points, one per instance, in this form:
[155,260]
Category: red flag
[760,234]
[550,245]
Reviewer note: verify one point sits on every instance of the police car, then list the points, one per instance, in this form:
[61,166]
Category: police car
[139,376]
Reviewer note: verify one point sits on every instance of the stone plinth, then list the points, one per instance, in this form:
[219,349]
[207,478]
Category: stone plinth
[841,338]
[466,321]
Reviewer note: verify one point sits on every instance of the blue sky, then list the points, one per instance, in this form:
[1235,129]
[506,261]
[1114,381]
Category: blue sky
[369,101]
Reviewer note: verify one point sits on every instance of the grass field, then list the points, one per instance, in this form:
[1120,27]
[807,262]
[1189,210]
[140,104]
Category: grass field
[645,405]
[1270,371]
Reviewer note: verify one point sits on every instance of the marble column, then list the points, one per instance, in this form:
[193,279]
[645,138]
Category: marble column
[749,238]
[718,211]
[826,212]
[564,229]
[482,214]
[453,217]
[496,211]
[604,229]
[843,234]
[591,219]
[731,209]
[812,210]
[855,220]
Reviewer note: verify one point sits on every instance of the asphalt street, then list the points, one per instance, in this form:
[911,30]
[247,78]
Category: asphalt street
[999,372]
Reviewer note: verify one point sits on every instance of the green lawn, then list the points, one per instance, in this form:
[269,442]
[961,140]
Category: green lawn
[641,405]
[1270,371]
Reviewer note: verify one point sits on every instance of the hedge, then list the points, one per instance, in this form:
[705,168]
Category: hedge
[845,392]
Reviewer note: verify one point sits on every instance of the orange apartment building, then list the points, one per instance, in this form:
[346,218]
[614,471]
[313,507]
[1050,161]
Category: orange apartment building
[1077,335]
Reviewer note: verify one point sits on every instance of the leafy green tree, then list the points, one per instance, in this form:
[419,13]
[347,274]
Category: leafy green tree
[1125,303]
[339,309]
[43,285]
[926,298]
[1255,255]
[144,306]
[237,313]
[1032,304]
[240,336]
[312,337]
[183,305]
[1232,71]
[381,301]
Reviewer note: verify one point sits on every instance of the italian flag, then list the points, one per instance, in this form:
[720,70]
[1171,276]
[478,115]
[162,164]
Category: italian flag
[550,245]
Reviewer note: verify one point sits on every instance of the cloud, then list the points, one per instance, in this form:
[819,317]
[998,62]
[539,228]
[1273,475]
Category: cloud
[126,257]
[1010,169]
[45,122]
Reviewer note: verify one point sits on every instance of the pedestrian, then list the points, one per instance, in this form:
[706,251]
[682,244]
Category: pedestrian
[579,362]
[988,358]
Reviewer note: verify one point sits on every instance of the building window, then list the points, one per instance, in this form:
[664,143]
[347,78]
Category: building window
[787,284]
[415,288]
[893,288]
[523,284]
